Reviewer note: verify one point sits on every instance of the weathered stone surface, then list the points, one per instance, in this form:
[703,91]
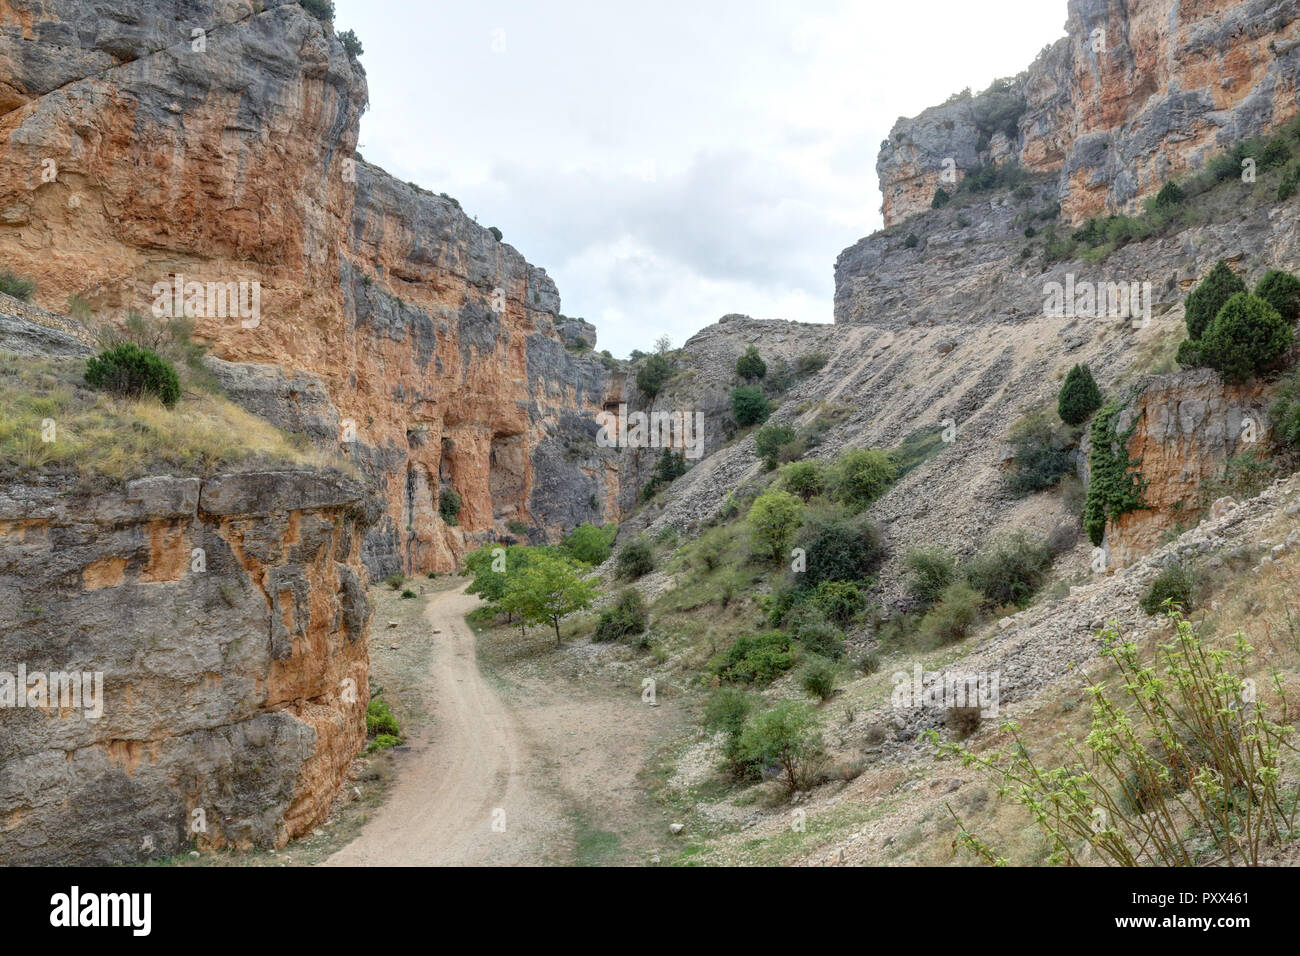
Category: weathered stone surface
[233,646]
[1137,93]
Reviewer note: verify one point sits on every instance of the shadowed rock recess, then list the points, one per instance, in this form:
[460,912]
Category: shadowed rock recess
[162,143]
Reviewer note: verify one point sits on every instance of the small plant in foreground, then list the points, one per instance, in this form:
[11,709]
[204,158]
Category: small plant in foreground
[1190,737]
[130,371]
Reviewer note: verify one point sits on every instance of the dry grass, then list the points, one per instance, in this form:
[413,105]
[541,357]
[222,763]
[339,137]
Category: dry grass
[97,435]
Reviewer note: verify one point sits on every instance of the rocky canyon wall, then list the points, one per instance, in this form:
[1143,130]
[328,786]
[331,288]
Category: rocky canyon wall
[213,142]
[1137,93]
[218,629]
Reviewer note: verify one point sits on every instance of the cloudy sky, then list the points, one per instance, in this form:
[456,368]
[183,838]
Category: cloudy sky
[669,163]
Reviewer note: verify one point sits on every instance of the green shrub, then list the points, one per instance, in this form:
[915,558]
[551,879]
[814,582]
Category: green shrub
[941,198]
[1285,411]
[868,663]
[322,10]
[770,440]
[818,678]
[1281,290]
[131,371]
[1115,487]
[1175,583]
[1170,195]
[395,580]
[1205,301]
[818,636]
[838,547]
[407,594]
[839,601]
[953,618]
[727,711]
[1189,353]
[807,479]
[352,45]
[590,544]
[1043,454]
[930,572]
[1079,396]
[773,520]
[383,742]
[811,362]
[756,659]
[626,617]
[1010,571]
[652,374]
[862,475]
[379,719]
[671,466]
[1245,337]
[750,366]
[749,406]
[786,736]
[449,505]
[635,559]
[19,288]
[912,241]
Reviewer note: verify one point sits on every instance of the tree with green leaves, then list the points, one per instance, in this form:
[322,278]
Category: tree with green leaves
[769,441]
[862,476]
[590,544]
[653,374]
[750,366]
[1281,290]
[1079,396]
[1247,335]
[787,735]
[807,479]
[1205,301]
[773,519]
[749,406]
[546,591]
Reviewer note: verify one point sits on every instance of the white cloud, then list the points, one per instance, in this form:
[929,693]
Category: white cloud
[673,163]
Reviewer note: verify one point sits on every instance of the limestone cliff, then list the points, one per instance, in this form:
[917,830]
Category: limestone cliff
[1137,93]
[225,621]
[212,142]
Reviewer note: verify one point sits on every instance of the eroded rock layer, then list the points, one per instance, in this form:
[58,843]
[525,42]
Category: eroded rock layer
[1138,92]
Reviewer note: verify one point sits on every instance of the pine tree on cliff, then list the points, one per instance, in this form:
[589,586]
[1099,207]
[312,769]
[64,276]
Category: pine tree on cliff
[750,365]
[1079,396]
[1205,301]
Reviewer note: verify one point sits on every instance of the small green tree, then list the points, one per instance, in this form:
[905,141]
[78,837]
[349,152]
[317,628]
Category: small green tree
[1281,290]
[635,559]
[788,736]
[1079,396]
[862,475]
[1285,411]
[1171,194]
[838,547]
[547,591]
[930,571]
[941,198]
[807,479]
[626,617]
[750,366]
[749,406]
[769,440]
[131,372]
[1205,301]
[590,544]
[773,520]
[653,374]
[449,505]
[1247,335]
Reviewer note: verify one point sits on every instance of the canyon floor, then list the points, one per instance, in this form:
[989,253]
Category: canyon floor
[507,767]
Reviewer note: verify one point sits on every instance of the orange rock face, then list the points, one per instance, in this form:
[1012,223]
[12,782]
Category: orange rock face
[1138,93]
[1188,426]
[140,165]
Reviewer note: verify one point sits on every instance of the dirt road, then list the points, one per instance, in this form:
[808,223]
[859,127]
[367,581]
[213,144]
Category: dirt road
[548,775]
[461,797]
